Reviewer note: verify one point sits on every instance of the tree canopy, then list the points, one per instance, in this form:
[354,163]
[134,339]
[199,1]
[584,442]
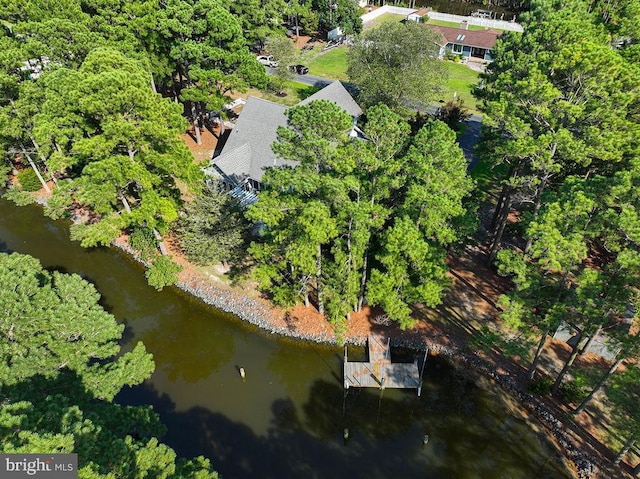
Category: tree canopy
[396,64]
[558,100]
[359,219]
[62,366]
[212,229]
[561,109]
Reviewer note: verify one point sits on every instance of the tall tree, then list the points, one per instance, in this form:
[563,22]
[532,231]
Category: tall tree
[53,322]
[260,19]
[413,248]
[212,229]
[294,210]
[62,366]
[558,100]
[339,13]
[210,54]
[125,163]
[286,55]
[396,64]
[359,219]
[596,300]
[624,395]
[542,277]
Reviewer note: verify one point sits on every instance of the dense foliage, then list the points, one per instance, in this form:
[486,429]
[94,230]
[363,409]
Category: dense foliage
[359,219]
[396,64]
[562,104]
[61,366]
[212,229]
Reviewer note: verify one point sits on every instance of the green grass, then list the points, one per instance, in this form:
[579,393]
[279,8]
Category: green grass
[461,81]
[333,64]
[330,64]
[385,18]
[442,23]
[294,93]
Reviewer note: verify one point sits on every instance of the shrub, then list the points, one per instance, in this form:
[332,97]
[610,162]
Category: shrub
[571,392]
[453,113]
[19,197]
[541,387]
[143,240]
[163,272]
[29,180]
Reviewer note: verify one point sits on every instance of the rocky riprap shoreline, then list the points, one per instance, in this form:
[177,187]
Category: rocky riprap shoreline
[260,315]
[586,465]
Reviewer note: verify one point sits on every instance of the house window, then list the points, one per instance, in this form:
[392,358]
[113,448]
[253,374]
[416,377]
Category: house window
[456,48]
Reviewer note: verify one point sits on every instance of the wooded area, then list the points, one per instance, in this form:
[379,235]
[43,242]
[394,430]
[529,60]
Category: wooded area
[94,96]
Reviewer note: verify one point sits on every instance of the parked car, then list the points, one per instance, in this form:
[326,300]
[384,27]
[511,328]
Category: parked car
[299,69]
[267,60]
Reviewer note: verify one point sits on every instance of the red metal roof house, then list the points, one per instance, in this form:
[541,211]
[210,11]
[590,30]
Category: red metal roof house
[468,43]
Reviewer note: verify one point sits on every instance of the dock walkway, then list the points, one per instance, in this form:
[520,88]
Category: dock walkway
[379,371]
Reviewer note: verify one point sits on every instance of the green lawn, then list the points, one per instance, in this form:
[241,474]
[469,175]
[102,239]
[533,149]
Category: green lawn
[333,64]
[385,18]
[461,81]
[330,64]
[442,23]
[294,93]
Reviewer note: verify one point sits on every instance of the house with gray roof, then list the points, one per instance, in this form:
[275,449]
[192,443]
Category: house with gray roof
[247,151]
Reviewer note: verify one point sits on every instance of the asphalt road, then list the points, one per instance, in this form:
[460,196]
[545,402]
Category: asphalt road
[469,138]
[315,81]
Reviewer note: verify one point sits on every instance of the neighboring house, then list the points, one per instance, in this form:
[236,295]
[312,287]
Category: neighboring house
[417,15]
[474,44]
[247,151]
[603,344]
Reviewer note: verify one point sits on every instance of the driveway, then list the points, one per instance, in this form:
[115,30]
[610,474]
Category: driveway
[310,80]
[469,138]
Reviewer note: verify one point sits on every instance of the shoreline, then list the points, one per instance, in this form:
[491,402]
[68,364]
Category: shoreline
[259,314]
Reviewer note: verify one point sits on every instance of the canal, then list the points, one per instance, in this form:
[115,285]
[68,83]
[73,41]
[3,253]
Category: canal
[287,419]
[506,11]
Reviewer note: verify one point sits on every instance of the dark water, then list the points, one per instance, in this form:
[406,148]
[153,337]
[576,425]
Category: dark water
[286,420]
[467,8]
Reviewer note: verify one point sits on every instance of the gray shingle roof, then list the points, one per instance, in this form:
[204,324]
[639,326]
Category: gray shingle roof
[247,150]
[337,93]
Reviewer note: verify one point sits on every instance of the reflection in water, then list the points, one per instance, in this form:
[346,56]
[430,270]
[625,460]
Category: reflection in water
[190,349]
[286,420]
[289,362]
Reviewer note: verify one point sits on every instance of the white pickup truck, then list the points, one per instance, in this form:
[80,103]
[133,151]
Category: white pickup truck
[268,60]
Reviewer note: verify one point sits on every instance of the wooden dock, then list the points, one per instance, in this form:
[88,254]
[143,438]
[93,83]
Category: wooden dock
[379,371]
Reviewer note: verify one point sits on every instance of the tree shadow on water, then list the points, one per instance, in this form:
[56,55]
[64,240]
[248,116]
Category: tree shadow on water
[4,248]
[295,445]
